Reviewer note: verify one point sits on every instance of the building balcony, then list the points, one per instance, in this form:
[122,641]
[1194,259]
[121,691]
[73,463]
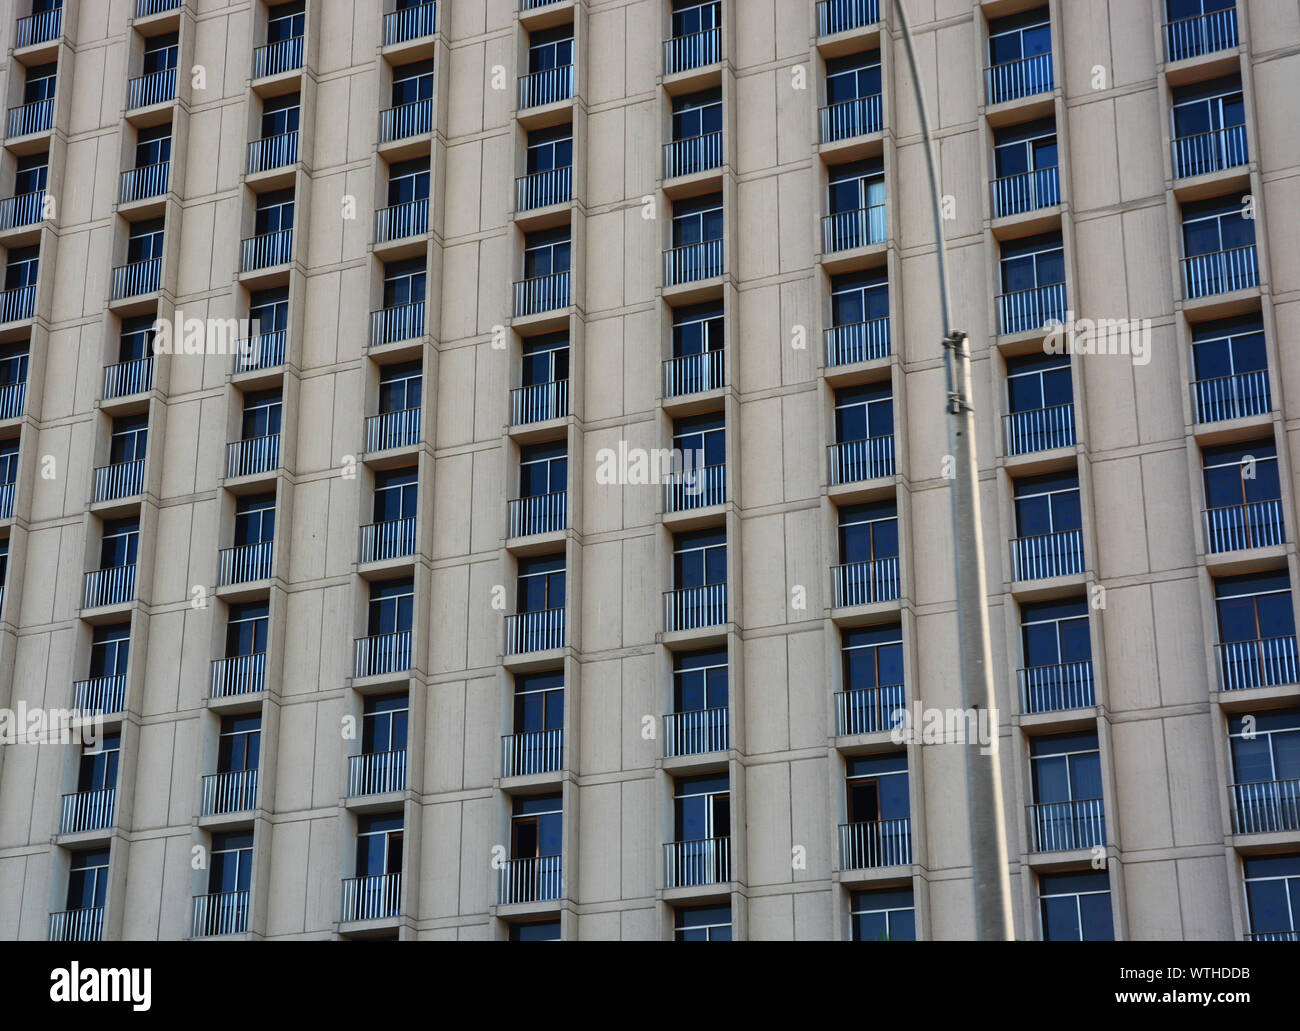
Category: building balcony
[693,262]
[105,695]
[6,500]
[540,513]
[232,792]
[398,323]
[393,429]
[691,864]
[693,374]
[274,58]
[696,732]
[13,399]
[405,121]
[1039,429]
[393,538]
[847,230]
[112,586]
[38,116]
[1265,806]
[1274,936]
[537,631]
[857,342]
[1200,34]
[835,16]
[865,583]
[87,811]
[693,155]
[692,608]
[858,116]
[695,487]
[536,879]
[1255,524]
[17,303]
[868,846]
[410,23]
[1206,152]
[1238,396]
[41,27]
[542,189]
[245,563]
[400,221]
[376,773]
[148,8]
[549,86]
[1014,80]
[1220,272]
[855,461]
[144,182]
[382,654]
[1021,311]
[223,912]
[238,675]
[539,402]
[154,88]
[24,209]
[139,277]
[531,752]
[253,456]
[266,250]
[127,378]
[1047,555]
[77,925]
[272,152]
[869,710]
[1056,688]
[1062,826]
[541,293]
[694,50]
[119,480]
[375,897]
[264,351]
[1268,662]
[1026,191]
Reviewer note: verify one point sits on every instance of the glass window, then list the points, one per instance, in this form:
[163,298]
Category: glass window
[883,914]
[1076,906]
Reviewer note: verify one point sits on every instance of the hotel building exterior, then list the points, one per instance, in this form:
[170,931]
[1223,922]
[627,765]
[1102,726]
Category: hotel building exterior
[394,630]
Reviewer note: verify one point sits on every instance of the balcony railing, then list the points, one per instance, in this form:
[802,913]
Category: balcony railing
[139,277]
[239,674]
[1023,78]
[548,86]
[535,751]
[1256,524]
[410,23]
[38,116]
[18,303]
[112,586]
[13,398]
[1220,272]
[244,563]
[77,925]
[232,792]
[866,846]
[1046,555]
[1039,429]
[393,429]
[1265,807]
[865,583]
[1213,151]
[692,262]
[24,209]
[393,538]
[266,250]
[848,118]
[696,732]
[1061,826]
[541,293]
[695,487]
[87,811]
[145,181]
[154,88]
[253,455]
[38,28]
[402,220]
[856,460]
[1023,310]
[119,480]
[1026,191]
[1065,685]
[1232,397]
[869,710]
[1269,662]
[540,513]
[857,342]
[6,500]
[842,15]
[376,773]
[688,864]
[693,155]
[223,912]
[537,631]
[861,227]
[127,378]
[694,50]
[272,152]
[542,189]
[146,8]
[382,654]
[1201,34]
[405,120]
[376,897]
[690,608]
[264,351]
[539,402]
[398,323]
[693,374]
[1274,936]
[274,58]
[100,694]
[536,879]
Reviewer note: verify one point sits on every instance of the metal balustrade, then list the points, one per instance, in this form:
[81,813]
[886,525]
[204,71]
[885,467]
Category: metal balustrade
[38,116]
[393,538]
[245,563]
[18,303]
[842,15]
[696,732]
[23,209]
[139,277]
[405,120]
[535,879]
[695,487]
[1220,272]
[537,631]
[146,8]
[410,23]
[1274,936]
[282,56]
[376,897]
[693,374]
[100,694]
[266,250]
[376,773]
[1268,662]
[398,323]
[112,586]
[869,710]
[393,429]
[40,27]
[1057,687]
[238,675]
[865,583]
[253,455]
[119,480]
[232,792]
[549,86]
[1265,806]
[542,189]
[1046,555]
[853,461]
[861,227]
[127,378]
[532,5]
[1232,397]
[145,182]
[6,500]
[222,912]
[845,119]
[1039,429]
[694,50]
[1205,152]
[688,864]
[1255,524]
[1020,311]
[1026,191]
[154,88]
[690,608]
[264,351]
[272,152]
[1013,80]
[868,846]
[538,513]
[692,262]
[858,342]
[13,399]
[530,752]
[539,402]
[1201,34]
[87,811]
[381,654]
[1061,826]
[399,221]
[541,293]
[77,925]
[692,155]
